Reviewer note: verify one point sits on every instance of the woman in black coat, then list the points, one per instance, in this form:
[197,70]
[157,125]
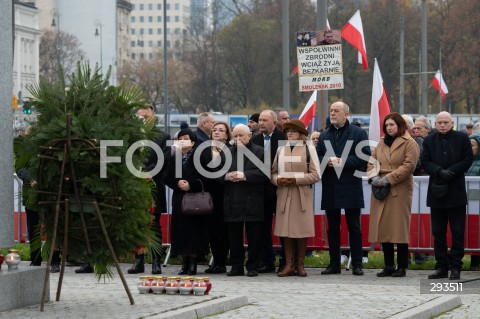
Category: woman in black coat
[213,161]
[189,233]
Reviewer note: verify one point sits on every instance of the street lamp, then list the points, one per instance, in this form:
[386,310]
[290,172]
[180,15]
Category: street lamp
[98,26]
[54,24]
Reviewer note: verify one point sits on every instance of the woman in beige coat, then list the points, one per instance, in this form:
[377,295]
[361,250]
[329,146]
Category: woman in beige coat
[392,164]
[295,170]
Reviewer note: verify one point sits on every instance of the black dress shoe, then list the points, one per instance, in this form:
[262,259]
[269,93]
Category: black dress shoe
[266,269]
[331,270]
[439,273]
[235,272]
[219,270]
[85,269]
[399,272]
[252,273]
[138,268]
[156,267]
[210,268]
[357,271]
[387,271]
[192,267]
[454,274]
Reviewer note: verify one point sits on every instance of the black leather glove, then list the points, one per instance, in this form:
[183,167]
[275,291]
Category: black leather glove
[446,175]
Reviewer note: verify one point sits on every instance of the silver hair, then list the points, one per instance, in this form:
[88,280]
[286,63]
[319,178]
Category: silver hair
[242,127]
[476,127]
[409,121]
[202,117]
[428,125]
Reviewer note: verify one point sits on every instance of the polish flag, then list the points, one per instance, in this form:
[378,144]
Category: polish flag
[309,111]
[440,85]
[328,25]
[352,32]
[379,108]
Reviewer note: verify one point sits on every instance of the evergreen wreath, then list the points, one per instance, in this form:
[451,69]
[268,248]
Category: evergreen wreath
[97,111]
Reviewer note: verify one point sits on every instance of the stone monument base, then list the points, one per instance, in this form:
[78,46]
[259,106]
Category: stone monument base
[22,287]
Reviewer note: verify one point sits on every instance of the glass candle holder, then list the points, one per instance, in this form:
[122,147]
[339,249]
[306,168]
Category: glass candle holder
[144,285]
[12,259]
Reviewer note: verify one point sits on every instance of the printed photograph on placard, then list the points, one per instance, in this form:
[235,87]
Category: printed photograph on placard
[319,57]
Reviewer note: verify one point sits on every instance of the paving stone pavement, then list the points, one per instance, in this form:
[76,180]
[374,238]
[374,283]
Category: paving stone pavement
[316,296]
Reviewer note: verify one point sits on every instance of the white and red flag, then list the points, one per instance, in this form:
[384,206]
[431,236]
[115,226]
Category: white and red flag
[440,85]
[379,108]
[352,32]
[309,111]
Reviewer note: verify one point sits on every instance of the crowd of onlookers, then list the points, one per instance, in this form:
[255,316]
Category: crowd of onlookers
[269,167]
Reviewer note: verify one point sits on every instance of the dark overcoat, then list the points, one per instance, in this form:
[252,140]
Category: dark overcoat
[270,201]
[189,233]
[451,151]
[344,191]
[243,200]
[152,160]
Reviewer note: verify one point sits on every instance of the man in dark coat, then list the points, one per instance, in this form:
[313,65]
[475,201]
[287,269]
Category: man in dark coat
[342,183]
[160,139]
[268,139]
[447,155]
[205,123]
[244,189]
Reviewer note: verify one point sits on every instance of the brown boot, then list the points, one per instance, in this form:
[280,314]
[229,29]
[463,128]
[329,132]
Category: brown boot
[301,244]
[289,253]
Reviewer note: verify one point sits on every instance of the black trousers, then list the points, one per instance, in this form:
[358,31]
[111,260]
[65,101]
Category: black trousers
[354,235]
[267,252]
[33,220]
[237,251]
[157,229]
[440,218]
[218,238]
[389,254]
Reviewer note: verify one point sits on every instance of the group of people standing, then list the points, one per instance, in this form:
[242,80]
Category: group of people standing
[267,168]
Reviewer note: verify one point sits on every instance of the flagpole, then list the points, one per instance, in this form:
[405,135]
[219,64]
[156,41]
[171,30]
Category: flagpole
[441,76]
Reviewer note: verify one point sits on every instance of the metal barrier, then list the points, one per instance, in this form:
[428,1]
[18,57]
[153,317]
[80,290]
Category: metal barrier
[421,239]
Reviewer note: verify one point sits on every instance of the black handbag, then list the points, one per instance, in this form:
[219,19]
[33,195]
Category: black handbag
[199,203]
[380,192]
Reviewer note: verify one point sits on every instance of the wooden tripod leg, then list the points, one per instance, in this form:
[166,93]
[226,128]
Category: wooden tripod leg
[50,257]
[109,243]
[64,252]
[54,236]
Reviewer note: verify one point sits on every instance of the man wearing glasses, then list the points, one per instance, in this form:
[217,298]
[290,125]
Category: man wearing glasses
[422,127]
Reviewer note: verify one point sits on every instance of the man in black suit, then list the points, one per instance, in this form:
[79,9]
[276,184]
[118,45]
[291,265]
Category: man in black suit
[268,138]
[446,156]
